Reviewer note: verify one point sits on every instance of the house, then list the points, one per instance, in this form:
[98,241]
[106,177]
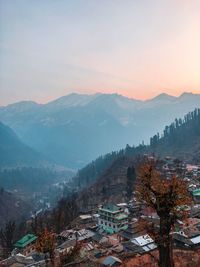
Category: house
[97,238]
[112,219]
[20,260]
[80,235]
[145,242]
[85,218]
[26,244]
[66,246]
[67,235]
[140,244]
[132,230]
[17,260]
[111,261]
[189,238]
[195,211]
[196,195]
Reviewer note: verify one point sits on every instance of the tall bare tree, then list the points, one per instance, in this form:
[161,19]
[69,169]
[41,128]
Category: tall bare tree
[167,197]
[46,244]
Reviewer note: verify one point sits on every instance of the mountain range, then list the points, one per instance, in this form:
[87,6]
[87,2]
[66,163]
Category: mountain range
[75,129]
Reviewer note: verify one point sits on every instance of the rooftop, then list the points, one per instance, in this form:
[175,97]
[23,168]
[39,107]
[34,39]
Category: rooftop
[196,192]
[110,208]
[111,260]
[196,240]
[84,234]
[85,216]
[121,216]
[24,241]
[143,240]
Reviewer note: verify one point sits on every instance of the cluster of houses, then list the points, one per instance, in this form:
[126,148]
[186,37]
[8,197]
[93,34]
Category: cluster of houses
[112,236]
[189,172]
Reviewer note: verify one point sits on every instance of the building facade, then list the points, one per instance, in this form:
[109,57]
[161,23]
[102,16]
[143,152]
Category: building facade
[112,219]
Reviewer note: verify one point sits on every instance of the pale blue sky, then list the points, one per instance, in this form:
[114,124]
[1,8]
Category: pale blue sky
[137,48]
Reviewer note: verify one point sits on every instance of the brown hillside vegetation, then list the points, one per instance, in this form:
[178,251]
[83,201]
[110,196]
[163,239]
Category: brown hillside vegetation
[182,258]
[12,207]
[110,187]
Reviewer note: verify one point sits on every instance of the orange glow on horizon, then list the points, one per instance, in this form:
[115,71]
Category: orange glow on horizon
[139,95]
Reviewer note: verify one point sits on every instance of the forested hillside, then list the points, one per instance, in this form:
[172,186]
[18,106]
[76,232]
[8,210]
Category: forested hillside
[181,140]
[111,186]
[13,207]
[109,178]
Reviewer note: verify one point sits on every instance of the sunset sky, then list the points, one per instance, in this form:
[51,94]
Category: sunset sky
[138,48]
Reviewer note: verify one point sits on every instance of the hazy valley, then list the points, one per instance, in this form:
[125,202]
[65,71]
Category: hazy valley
[34,158]
[38,189]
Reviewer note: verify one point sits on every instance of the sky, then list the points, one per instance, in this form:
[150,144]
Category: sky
[137,48]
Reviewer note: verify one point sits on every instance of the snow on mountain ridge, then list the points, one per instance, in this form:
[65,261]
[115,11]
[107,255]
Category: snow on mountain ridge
[71,100]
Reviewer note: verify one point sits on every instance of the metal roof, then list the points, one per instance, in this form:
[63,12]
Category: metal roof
[196,192]
[121,216]
[24,241]
[195,240]
[110,260]
[142,240]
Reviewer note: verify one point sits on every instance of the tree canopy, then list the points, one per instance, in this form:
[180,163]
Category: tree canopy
[168,198]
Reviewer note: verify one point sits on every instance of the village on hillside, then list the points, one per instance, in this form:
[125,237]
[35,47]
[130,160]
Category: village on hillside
[112,234]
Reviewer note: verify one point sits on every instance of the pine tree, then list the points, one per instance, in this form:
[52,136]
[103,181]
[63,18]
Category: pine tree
[131,177]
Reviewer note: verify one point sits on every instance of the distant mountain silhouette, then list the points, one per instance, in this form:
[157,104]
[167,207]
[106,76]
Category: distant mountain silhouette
[163,97]
[13,153]
[75,129]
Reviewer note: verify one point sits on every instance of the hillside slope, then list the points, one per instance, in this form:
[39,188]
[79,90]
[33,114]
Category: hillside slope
[111,186]
[13,153]
[180,140]
[12,207]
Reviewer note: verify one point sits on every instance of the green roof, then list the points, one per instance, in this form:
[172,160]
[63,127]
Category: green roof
[196,192]
[108,230]
[111,230]
[110,208]
[121,216]
[24,241]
